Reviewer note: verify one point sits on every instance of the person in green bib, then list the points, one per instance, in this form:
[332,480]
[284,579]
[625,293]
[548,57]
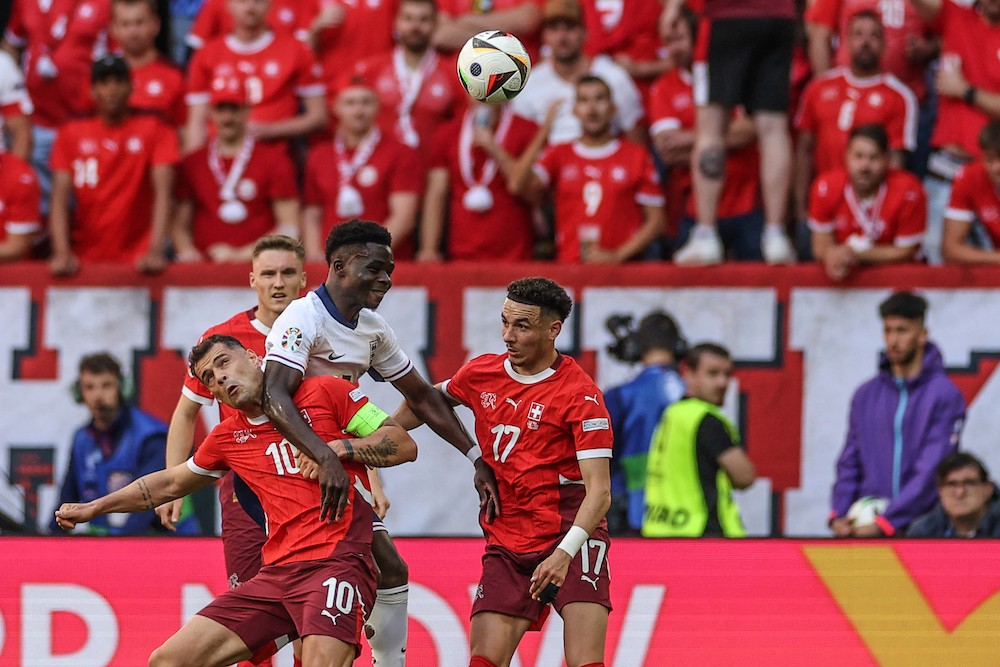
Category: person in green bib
[695,457]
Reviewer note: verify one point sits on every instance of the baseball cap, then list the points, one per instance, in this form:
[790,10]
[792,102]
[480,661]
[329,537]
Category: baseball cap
[109,67]
[562,10]
[229,90]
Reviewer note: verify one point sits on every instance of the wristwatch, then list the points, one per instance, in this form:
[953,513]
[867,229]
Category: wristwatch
[970,95]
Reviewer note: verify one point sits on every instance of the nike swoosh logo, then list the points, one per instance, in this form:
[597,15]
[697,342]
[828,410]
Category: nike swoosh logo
[334,357]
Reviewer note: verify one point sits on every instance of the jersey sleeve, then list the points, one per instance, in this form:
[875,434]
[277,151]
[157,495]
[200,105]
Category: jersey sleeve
[208,459]
[292,336]
[662,114]
[207,24]
[650,193]
[60,158]
[821,206]
[962,205]
[23,216]
[166,147]
[308,74]
[457,386]
[805,117]
[390,361]
[824,12]
[199,83]
[589,421]
[913,217]
[902,127]
[713,438]
[547,166]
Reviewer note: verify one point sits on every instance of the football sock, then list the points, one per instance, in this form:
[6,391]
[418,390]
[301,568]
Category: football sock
[479,661]
[388,620]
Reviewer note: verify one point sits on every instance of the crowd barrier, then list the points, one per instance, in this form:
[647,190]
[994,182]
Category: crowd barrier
[108,602]
[802,345]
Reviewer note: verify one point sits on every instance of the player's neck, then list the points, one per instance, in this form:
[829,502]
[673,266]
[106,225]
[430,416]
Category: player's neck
[910,369]
[137,60]
[265,316]
[866,193]
[229,146]
[861,73]
[571,70]
[966,525]
[537,367]
[597,140]
[348,307]
[249,34]
[113,118]
[352,138]
[252,410]
[413,58]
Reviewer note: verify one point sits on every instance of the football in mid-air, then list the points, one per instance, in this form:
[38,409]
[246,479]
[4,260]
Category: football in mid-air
[864,510]
[493,66]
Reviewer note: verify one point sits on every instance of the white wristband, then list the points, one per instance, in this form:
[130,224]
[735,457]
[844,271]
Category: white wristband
[859,243]
[475,453]
[574,539]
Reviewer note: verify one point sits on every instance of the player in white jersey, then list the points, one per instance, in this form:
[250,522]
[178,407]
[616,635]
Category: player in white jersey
[335,331]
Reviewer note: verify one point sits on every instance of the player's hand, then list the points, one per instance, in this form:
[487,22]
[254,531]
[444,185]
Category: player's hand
[153,261]
[601,256]
[429,256]
[64,264]
[380,501]
[871,530]
[950,82]
[486,486]
[841,527]
[70,514]
[330,17]
[189,255]
[334,486]
[170,513]
[307,467]
[552,570]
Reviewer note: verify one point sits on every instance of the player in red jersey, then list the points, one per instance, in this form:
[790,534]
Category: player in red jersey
[234,190]
[866,213]
[291,18]
[461,19]
[627,31]
[20,218]
[551,443]
[345,31]
[847,97]
[608,202]
[280,72]
[975,195]
[15,109]
[317,562]
[417,89]
[362,172]
[118,166]
[157,84]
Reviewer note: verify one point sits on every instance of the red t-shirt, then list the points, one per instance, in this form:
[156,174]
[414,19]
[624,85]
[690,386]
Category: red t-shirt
[392,168]
[895,216]
[534,432]
[278,70]
[62,38]
[287,17]
[269,175]
[110,168]
[599,193]
[836,102]
[627,27]
[900,20]
[968,43]
[756,9]
[973,195]
[505,232]
[458,8]
[159,87]
[671,107]
[439,95]
[19,197]
[365,32]
[257,452]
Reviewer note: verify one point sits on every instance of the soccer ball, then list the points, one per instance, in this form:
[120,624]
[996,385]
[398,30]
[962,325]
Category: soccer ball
[493,66]
[864,510]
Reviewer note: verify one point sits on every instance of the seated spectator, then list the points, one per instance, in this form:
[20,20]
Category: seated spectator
[866,213]
[461,19]
[975,196]
[284,82]
[291,18]
[468,185]
[120,444]
[118,168]
[553,80]
[234,190]
[157,84]
[15,109]
[847,97]
[627,31]
[608,202]
[902,423]
[20,219]
[672,121]
[417,90]
[362,173]
[345,32]
[969,505]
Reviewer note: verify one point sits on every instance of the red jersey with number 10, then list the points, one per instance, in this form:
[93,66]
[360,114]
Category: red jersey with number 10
[256,451]
[534,431]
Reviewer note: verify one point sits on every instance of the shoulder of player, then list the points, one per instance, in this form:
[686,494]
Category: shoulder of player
[900,179]
[318,383]
[834,181]
[236,326]
[14,168]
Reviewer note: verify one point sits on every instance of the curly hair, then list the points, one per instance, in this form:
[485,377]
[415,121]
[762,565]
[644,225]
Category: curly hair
[356,233]
[541,292]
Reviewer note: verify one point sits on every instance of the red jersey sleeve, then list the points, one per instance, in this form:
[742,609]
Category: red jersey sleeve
[650,193]
[805,118]
[208,458]
[662,115]
[308,74]
[825,13]
[547,166]
[822,205]
[913,215]
[281,184]
[962,205]
[61,157]
[166,148]
[408,175]
[199,83]
[457,387]
[16,32]
[22,204]
[207,24]
[588,419]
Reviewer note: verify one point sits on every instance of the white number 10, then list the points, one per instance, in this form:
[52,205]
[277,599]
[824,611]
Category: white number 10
[283,454]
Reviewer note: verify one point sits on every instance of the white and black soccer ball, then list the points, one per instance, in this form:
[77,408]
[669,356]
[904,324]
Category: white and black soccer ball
[493,66]
[865,510]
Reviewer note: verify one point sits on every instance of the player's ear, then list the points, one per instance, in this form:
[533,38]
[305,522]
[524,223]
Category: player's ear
[253,357]
[555,327]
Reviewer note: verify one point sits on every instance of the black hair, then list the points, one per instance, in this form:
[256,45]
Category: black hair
[199,351]
[907,305]
[541,292]
[590,78]
[659,331]
[873,132]
[694,355]
[989,137]
[355,232]
[957,461]
[101,362]
[869,14]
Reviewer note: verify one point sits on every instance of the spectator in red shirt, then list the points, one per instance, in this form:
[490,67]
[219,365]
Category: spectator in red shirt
[361,173]
[975,196]
[15,109]
[346,31]
[417,90]
[291,18]
[118,167]
[608,202]
[234,190]
[19,212]
[627,31]
[867,213]
[280,72]
[461,19]
[157,84]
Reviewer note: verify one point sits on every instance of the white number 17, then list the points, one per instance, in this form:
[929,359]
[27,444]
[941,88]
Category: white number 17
[500,430]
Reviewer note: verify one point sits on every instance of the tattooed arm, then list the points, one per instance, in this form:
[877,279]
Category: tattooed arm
[143,494]
[388,445]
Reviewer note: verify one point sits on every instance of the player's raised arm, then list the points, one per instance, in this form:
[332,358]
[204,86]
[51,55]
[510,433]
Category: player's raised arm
[141,495]
[388,445]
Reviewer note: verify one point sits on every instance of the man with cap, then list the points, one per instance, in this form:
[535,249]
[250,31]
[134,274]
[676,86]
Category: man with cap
[118,167]
[554,79]
[233,190]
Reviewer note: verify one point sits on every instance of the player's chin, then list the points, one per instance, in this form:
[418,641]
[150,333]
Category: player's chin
[375,298]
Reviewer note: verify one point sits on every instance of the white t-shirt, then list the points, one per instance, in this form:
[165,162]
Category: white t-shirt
[313,337]
[546,87]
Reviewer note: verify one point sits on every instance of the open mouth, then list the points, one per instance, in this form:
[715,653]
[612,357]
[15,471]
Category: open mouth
[278,295]
[233,388]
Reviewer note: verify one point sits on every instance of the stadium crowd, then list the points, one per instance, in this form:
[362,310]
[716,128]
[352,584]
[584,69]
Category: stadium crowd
[863,132]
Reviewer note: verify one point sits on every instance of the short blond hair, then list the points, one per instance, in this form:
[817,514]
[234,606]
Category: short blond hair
[279,242]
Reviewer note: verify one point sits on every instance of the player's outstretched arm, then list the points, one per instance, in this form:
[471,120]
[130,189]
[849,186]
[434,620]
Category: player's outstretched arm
[143,494]
[180,438]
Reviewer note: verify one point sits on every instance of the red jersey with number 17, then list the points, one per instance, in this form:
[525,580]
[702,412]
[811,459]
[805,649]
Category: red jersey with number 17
[256,451]
[534,431]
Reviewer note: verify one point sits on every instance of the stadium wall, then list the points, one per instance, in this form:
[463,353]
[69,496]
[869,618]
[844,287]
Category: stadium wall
[802,346]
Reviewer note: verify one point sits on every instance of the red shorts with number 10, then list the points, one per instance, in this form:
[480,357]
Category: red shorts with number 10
[506,579]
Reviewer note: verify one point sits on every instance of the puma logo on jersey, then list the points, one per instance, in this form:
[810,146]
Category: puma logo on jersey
[591,398]
[334,618]
[514,403]
[592,582]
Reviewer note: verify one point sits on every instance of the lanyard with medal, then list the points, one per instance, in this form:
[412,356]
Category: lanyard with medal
[867,217]
[231,211]
[478,197]
[349,202]
[410,83]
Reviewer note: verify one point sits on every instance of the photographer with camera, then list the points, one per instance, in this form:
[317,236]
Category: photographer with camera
[635,407]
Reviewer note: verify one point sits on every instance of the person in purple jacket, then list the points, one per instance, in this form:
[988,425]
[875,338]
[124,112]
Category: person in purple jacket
[902,423]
